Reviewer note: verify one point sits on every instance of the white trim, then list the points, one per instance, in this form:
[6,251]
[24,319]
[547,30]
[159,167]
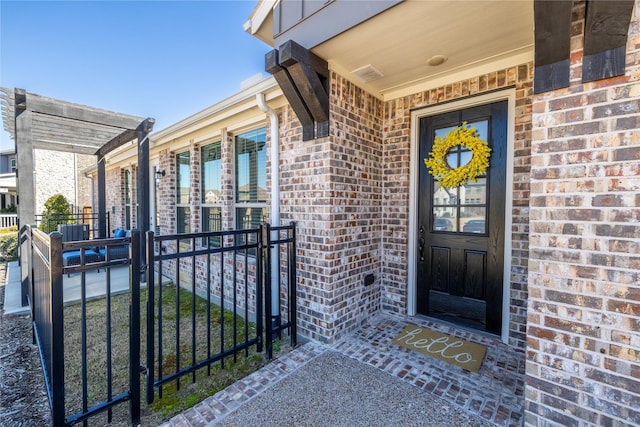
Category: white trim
[510,96]
[259,15]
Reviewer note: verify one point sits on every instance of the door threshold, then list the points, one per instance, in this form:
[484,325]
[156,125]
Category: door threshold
[458,326]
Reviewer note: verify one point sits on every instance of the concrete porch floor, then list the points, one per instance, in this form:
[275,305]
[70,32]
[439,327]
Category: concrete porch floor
[380,383]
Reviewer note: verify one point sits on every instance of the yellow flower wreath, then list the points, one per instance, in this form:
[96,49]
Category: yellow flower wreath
[464,136]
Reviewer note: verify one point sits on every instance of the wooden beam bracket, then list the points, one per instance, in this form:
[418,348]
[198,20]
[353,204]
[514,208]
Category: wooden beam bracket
[284,80]
[304,79]
[552,20]
[605,39]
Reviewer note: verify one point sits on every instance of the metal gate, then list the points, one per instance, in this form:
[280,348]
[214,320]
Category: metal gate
[48,259]
[237,274]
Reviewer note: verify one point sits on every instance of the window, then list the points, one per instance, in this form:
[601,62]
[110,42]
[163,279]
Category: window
[251,178]
[183,186]
[211,189]
[12,164]
[464,208]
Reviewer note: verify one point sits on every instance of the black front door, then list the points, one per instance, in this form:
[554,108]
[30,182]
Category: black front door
[461,230]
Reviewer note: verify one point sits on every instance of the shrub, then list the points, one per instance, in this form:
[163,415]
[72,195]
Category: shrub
[9,209]
[9,247]
[56,211]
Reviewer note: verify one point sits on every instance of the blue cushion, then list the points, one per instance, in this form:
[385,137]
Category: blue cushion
[73,257]
[119,233]
[116,252]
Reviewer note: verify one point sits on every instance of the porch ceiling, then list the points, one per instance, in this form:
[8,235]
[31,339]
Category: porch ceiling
[399,41]
[64,126]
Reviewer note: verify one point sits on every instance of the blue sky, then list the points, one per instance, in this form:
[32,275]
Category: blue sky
[160,59]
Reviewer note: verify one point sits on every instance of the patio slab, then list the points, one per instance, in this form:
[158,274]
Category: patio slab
[95,285]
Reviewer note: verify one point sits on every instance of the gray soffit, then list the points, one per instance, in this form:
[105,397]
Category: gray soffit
[64,126]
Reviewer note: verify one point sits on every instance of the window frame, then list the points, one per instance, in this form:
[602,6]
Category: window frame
[206,207]
[260,204]
[181,206]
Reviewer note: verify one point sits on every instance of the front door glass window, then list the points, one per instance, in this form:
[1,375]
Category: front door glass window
[462,209]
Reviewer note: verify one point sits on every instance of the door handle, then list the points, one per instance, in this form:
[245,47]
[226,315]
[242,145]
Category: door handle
[421,249]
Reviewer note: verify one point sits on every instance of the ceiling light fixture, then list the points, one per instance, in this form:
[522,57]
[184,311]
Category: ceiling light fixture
[436,60]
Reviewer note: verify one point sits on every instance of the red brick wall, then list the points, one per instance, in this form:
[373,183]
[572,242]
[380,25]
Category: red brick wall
[167,192]
[396,165]
[333,188]
[584,271]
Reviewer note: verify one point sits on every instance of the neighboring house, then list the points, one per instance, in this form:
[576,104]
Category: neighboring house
[61,172]
[55,172]
[7,178]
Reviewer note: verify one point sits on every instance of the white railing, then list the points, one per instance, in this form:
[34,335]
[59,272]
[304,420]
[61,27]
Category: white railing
[8,220]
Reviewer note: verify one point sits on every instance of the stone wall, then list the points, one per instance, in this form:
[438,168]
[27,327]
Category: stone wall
[396,165]
[167,193]
[55,174]
[584,272]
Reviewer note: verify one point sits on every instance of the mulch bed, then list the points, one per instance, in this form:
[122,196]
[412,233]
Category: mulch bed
[23,397]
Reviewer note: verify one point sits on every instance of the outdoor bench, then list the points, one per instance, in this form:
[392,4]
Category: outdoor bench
[74,233]
[73,257]
[116,252]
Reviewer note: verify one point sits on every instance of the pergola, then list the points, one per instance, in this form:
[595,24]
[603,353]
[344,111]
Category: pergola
[38,122]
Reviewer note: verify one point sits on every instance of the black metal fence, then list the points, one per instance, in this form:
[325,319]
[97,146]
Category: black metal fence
[49,259]
[225,298]
[230,278]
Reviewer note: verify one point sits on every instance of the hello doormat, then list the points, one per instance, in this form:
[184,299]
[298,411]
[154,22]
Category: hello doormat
[454,350]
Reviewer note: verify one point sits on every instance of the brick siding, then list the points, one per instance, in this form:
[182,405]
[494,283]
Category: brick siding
[584,272]
[332,188]
[396,166]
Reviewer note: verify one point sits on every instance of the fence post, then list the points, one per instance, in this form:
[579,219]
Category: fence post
[293,303]
[268,321]
[259,293]
[134,327]
[151,278]
[25,263]
[57,329]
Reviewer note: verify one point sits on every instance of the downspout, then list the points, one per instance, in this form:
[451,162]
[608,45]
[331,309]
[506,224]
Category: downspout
[275,202]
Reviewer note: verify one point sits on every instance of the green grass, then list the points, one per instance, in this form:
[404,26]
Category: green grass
[175,397]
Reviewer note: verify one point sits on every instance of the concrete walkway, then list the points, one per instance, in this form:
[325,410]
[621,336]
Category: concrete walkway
[367,380]
[95,283]
[327,388]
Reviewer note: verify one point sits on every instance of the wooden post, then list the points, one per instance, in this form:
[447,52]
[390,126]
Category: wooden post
[24,157]
[143,180]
